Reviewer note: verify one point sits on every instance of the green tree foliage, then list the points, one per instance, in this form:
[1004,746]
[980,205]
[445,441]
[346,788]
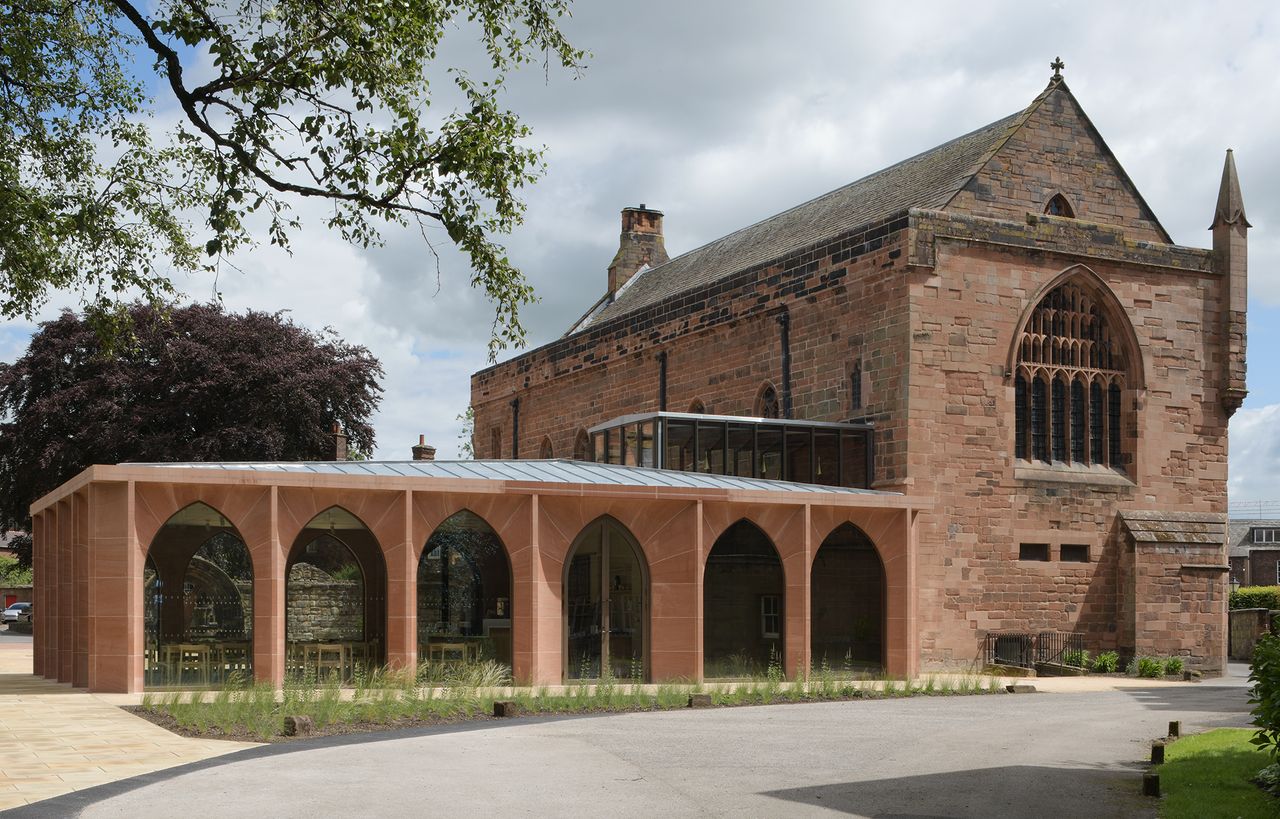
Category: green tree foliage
[279,102]
[191,384]
[1264,673]
[467,436]
[1255,597]
[12,573]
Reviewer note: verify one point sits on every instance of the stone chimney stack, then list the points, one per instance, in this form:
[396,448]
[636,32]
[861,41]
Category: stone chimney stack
[423,451]
[1231,260]
[339,442]
[641,245]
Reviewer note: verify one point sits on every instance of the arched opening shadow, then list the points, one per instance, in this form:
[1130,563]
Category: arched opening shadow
[742,604]
[197,603]
[464,595]
[335,599]
[606,605]
[847,603]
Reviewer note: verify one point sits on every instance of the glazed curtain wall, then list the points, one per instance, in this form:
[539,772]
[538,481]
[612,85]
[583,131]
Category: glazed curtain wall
[93,544]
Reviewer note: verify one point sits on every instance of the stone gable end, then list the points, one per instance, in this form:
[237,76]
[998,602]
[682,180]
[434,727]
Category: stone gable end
[1057,150]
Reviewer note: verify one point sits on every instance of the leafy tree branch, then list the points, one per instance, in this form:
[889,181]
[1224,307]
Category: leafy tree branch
[323,101]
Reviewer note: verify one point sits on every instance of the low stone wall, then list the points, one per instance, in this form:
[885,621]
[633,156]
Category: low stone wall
[320,608]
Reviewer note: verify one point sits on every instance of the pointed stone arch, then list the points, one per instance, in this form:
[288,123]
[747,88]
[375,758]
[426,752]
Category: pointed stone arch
[1072,333]
[581,445]
[1104,305]
[1057,204]
[606,604]
[464,593]
[743,603]
[335,596]
[198,588]
[767,403]
[848,602]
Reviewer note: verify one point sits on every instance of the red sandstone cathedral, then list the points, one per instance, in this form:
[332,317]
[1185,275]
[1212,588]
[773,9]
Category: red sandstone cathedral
[969,410]
[1000,329]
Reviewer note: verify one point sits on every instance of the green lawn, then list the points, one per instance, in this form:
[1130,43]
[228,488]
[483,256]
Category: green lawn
[1208,775]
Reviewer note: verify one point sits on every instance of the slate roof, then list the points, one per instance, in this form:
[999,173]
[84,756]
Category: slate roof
[927,180]
[1238,543]
[1176,527]
[551,471]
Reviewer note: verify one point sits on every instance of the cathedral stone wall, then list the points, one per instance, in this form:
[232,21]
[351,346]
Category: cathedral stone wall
[846,301]
[929,303]
[965,311]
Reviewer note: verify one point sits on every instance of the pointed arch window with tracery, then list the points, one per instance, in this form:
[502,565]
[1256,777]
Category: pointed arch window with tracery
[1069,383]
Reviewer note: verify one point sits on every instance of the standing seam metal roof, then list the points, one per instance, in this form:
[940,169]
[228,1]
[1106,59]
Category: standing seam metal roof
[553,471]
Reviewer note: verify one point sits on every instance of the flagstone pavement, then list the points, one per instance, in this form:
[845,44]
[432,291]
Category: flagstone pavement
[55,739]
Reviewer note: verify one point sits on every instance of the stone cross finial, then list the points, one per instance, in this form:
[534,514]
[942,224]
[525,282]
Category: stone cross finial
[1057,65]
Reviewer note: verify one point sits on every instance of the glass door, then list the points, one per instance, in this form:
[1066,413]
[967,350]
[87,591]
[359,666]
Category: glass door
[605,610]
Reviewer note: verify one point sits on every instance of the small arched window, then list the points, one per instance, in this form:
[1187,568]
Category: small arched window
[855,386]
[495,442]
[582,446]
[545,452]
[1069,382]
[767,403]
[1059,206]
[697,407]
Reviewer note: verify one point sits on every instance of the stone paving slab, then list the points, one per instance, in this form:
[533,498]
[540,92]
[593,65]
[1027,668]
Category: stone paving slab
[55,739]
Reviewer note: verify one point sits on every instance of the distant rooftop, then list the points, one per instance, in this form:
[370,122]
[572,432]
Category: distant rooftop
[1238,529]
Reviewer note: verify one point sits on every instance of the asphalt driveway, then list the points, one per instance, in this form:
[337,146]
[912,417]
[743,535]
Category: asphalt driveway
[983,756]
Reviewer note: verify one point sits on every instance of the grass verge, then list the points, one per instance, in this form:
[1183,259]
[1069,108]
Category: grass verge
[1211,774]
[384,701]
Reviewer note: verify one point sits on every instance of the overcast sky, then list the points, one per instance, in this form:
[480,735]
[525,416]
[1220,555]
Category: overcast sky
[722,113]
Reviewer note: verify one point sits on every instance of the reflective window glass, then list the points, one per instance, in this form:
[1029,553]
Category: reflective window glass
[646,451]
[800,455]
[826,452]
[464,596]
[769,453]
[631,444]
[678,445]
[853,458]
[741,449]
[613,444]
[711,447]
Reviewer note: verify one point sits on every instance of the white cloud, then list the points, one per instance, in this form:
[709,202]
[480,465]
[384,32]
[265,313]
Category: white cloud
[1255,455]
[722,113]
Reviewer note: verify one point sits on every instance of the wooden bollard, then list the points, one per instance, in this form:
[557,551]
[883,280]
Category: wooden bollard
[1175,728]
[505,708]
[1151,784]
[1157,753]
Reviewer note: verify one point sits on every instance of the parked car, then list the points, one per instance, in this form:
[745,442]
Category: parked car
[18,612]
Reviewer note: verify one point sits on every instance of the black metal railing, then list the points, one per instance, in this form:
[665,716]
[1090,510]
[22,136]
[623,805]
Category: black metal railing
[1027,649]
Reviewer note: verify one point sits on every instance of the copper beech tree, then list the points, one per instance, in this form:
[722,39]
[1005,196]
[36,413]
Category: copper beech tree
[347,103]
[191,383]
